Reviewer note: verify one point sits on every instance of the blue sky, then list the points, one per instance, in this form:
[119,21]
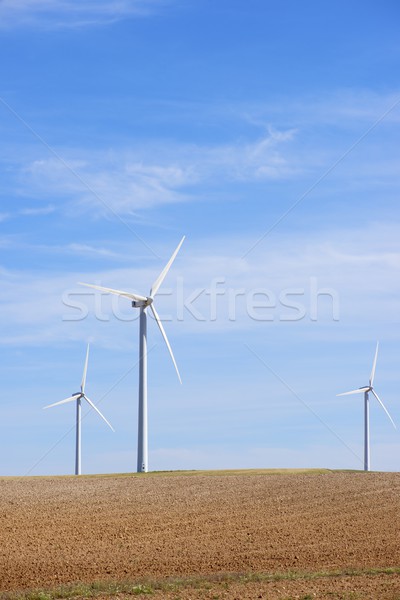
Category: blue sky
[267,133]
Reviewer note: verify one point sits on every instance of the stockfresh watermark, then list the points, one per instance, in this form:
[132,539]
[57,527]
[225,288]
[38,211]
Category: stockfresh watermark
[214,302]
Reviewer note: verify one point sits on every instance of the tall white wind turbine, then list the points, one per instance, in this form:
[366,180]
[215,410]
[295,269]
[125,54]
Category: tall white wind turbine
[78,397]
[142,302]
[366,390]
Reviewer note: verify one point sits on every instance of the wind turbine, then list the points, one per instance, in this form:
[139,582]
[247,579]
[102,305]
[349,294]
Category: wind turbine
[366,390]
[142,302]
[78,397]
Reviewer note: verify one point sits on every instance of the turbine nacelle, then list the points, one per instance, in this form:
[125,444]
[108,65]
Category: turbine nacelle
[142,303]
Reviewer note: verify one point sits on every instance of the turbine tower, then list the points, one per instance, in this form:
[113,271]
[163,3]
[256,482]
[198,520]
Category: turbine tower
[142,303]
[366,390]
[78,397]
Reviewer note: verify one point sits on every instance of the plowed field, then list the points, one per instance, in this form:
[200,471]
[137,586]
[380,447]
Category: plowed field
[123,528]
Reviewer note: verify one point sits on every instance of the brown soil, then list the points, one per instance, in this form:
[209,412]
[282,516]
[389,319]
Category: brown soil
[60,530]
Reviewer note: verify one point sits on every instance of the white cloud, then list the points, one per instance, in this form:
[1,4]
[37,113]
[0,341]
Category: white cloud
[86,249]
[339,107]
[262,159]
[68,13]
[37,211]
[27,212]
[124,185]
[131,181]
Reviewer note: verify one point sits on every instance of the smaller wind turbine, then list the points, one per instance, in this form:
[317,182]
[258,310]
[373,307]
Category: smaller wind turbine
[366,390]
[78,397]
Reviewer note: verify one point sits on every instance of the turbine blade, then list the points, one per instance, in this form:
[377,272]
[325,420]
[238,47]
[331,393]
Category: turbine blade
[70,399]
[156,285]
[157,318]
[97,410]
[85,371]
[116,292]
[384,407]
[359,391]
[371,379]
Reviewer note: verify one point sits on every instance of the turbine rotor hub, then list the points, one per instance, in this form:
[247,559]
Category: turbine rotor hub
[142,303]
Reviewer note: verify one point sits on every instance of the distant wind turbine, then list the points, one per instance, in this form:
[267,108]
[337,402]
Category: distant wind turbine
[366,390]
[78,397]
[142,302]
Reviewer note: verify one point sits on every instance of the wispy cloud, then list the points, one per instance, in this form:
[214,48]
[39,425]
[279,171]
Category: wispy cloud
[341,107]
[68,13]
[88,250]
[132,180]
[121,184]
[262,159]
[37,211]
[28,212]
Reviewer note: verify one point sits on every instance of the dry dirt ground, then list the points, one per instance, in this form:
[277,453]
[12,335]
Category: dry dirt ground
[123,528]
